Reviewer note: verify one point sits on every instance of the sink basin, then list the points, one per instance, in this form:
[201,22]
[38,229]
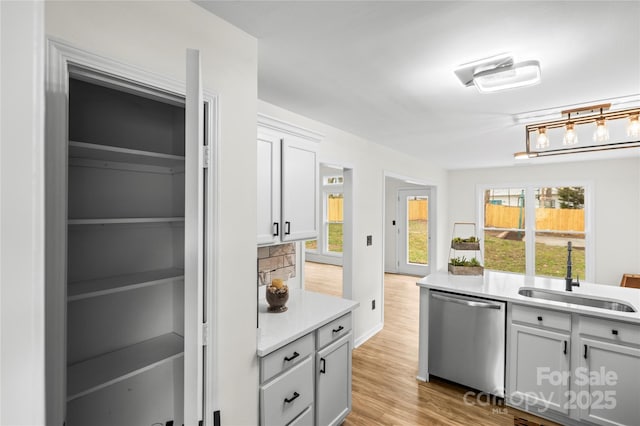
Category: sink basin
[611,305]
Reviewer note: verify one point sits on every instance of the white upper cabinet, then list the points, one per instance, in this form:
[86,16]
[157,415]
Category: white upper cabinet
[287,203]
[268,189]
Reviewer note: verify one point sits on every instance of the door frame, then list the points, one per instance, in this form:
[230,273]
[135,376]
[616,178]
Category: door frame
[60,55]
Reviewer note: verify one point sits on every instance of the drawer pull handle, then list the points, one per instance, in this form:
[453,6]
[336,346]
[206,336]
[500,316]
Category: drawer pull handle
[338,330]
[293,398]
[323,369]
[585,351]
[614,332]
[565,348]
[287,228]
[276,227]
[291,358]
[539,318]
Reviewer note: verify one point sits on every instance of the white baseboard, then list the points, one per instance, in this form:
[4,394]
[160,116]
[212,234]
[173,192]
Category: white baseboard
[368,335]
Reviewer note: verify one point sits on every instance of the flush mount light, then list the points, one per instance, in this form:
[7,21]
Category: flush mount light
[498,73]
[586,115]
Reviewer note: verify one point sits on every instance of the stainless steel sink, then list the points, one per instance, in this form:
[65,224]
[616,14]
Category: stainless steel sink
[576,299]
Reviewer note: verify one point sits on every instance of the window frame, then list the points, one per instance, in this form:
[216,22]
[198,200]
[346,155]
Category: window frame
[530,225]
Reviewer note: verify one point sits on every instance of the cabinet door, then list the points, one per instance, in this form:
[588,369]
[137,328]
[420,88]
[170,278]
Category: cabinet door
[268,207]
[608,383]
[539,369]
[299,189]
[333,382]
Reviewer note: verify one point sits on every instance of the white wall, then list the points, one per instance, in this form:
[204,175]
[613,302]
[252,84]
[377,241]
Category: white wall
[154,36]
[22,382]
[369,162]
[615,193]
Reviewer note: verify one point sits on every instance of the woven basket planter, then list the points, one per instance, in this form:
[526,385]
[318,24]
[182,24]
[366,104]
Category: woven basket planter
[466,270]
[465,246]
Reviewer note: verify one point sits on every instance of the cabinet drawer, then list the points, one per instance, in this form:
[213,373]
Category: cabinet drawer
[621,332]
[286,357]
[304,419]
[287,396]
[334,330]
[541,317]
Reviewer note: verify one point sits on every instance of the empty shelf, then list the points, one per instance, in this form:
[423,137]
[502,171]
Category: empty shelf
[123,220]
[100,287]
[97,373]
[122,155]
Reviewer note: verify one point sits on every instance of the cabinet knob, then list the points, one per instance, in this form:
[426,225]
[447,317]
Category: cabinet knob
[539,318]
[323,369]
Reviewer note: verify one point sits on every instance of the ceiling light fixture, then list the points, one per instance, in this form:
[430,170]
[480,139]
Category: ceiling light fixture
[633,128]
[598,114]
[499,72]
[601,134]
[570,136]
[543,140]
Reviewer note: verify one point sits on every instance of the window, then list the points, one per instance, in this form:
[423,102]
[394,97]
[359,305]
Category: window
[334,218]
[537,246]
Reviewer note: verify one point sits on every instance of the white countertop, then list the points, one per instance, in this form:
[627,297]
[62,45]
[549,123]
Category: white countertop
[504,286]
[306,311]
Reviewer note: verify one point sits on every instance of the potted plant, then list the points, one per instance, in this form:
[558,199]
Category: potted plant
[462,266]
[470,243]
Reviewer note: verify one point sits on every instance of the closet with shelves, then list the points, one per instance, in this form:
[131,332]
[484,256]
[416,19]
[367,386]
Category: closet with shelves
[128,315]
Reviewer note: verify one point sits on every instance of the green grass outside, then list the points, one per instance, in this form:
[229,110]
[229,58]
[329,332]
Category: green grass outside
[418,251]
[335,237]
[508,255]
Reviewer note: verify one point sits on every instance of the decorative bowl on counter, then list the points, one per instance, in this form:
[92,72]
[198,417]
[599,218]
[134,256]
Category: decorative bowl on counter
[277,292]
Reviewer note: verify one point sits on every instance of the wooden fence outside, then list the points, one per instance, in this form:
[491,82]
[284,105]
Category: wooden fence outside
[418,209]
[546,219]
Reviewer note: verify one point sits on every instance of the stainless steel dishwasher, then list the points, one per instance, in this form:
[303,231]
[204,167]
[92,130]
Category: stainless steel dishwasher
[467,341]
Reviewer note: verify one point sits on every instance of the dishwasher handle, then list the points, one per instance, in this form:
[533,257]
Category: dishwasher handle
[466,302]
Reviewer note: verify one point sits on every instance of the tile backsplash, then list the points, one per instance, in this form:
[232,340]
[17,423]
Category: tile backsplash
[276,259]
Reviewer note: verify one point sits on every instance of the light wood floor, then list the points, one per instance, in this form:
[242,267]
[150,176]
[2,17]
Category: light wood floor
[385,388]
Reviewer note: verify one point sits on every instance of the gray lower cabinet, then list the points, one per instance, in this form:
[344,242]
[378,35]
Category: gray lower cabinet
[609,375]
[333,382]
[589,372]
[535,352]
[308,381]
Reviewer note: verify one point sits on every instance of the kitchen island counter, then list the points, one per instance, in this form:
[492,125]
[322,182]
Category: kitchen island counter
[504,286]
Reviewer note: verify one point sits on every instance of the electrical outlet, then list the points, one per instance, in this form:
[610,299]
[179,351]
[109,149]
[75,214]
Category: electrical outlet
[373,304]
[369,240]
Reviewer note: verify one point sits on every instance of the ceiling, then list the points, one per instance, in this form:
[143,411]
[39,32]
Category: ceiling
[384,70]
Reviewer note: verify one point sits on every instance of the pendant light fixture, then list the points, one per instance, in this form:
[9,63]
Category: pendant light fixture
[570,136]
[543,140]
[575,117]
[601,133]
[633,128]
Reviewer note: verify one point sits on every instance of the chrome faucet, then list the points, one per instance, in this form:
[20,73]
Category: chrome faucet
[569,283]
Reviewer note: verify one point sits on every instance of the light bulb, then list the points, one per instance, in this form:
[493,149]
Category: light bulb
[633,128]
[543,140]
[601,134]
[570,136]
